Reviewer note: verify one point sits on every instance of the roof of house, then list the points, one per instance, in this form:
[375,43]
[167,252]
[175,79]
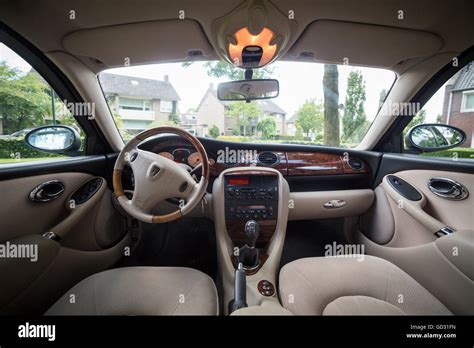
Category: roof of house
[137,87]
[292,119]
[188,118]
[266,105]
[465,78]
[271,107]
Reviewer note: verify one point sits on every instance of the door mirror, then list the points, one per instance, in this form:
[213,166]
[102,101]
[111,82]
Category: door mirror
[58,139]
[434,137]
[248,89]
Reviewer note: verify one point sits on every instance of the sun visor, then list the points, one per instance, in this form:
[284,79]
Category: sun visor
[140,43]
[362,44]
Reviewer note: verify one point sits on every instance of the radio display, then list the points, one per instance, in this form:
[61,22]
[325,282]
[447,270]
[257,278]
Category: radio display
[238,181]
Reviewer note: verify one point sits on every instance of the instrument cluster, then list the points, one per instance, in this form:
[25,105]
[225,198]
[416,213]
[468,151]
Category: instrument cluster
[184,155]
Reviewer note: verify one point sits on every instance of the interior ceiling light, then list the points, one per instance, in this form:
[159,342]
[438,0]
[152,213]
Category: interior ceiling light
[252,51]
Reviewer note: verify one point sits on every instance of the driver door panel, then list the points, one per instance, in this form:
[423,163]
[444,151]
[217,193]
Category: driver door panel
[90,235]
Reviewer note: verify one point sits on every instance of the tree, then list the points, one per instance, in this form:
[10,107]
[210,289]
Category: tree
[354,121]
[174,119]
[24,99]
[331,135]
[419,118]
[246,113]
[382,96]
[267,126]
[309,117]
[232,72]
[214,131]
[224,69]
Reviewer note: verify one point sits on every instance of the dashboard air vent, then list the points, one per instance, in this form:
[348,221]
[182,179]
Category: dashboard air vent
[268,158]
[355,163]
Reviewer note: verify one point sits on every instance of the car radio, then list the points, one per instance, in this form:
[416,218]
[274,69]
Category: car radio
[251,197]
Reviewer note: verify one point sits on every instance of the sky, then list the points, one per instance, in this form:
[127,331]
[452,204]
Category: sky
[298,82]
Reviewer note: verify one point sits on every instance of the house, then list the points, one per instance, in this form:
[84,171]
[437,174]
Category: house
[291,126]
[212,112]
[458,104]
[138,101]
[189,122]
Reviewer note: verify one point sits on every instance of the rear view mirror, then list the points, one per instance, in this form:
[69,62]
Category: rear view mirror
[248,89]
[434,137]
[57,139]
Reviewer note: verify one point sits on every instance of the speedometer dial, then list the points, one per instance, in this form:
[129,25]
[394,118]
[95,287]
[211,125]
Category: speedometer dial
[167,155]
[194,159]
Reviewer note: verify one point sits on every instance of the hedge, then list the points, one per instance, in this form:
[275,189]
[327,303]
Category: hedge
[459,152]
[10,147]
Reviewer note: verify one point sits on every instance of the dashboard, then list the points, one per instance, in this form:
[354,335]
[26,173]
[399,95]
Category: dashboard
[333,168]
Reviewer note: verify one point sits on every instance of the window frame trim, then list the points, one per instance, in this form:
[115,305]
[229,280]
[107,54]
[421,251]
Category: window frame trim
[464,100]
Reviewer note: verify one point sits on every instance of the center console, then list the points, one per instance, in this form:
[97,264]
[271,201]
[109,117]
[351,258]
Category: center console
[250,215]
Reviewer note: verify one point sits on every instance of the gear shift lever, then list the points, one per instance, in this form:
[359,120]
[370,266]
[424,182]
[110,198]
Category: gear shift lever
[249,255]
[252,231]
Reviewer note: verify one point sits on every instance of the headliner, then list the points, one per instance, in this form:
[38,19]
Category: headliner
[429,28]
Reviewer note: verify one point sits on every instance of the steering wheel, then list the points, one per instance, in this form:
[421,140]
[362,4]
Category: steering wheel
[158,178]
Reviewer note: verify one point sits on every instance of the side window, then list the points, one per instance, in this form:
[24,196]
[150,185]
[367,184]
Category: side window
[27,102]
[453,105]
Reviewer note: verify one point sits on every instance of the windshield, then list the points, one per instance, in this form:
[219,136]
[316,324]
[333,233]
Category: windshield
[318,104]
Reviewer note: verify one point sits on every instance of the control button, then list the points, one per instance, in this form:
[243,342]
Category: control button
[266,288]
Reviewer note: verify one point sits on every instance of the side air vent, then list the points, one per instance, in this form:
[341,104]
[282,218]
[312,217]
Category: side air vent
[355,163]
[268,158]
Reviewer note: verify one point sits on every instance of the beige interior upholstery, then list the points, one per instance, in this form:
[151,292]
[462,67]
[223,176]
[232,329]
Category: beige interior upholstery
[443,267]
[141,291]
[349,285]
[356,39]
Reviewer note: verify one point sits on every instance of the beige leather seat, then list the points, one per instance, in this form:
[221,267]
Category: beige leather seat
[141,291]
[348,286]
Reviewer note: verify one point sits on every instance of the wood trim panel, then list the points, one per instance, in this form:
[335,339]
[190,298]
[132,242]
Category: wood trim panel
[217,167]
[319,163]
[314,163]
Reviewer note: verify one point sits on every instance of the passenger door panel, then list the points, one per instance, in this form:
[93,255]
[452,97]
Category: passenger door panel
[397,221]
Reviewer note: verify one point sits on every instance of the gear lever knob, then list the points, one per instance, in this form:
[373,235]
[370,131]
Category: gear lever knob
[252,231]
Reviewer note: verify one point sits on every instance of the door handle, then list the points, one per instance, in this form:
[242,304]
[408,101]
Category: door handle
[448,188]
[334,204]
[47,191]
